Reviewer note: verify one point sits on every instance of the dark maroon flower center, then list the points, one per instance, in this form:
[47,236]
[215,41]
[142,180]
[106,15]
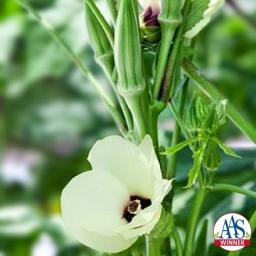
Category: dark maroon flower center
[150,18]
[135,205]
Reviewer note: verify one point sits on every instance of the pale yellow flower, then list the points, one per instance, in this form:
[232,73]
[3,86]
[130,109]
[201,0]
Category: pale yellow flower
[109,207]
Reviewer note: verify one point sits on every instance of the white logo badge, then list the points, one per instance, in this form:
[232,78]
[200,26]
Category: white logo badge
[232,232]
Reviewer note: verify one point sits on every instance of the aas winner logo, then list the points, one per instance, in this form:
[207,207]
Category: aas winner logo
[232,232]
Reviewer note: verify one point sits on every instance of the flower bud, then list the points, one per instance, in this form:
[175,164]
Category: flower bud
[212,157]
[202,108]
[209,123]
[221,113]
[190,119]
[150,28]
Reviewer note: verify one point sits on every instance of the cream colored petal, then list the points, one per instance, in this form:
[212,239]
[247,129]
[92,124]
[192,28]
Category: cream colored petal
[104,243]
[145,229]
[136,167]
[88,193]
[154,4]
[144,3]
[104,223]
[167,186]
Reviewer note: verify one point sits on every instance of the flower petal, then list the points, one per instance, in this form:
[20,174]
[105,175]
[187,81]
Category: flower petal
[105,243]
[154,4]
[128,233]
[104,223]
[90,193]
[135,166]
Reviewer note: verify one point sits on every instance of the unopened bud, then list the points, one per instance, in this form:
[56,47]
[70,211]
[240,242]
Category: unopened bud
[212,157]
[202,108]
[221,112]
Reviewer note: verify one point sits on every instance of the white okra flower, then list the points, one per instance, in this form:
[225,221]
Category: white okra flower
[109,207]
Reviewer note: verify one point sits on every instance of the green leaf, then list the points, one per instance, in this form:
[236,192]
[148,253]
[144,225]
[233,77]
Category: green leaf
[198,159]
[196,13]
[181,145]
[225,149]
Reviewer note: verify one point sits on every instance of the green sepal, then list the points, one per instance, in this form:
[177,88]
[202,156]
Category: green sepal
[150,34]
[198,159]
[164,226]
[196,13]
[212,157]
[190,117]
[202,108]
[226,149]
[209,122]
[221,112]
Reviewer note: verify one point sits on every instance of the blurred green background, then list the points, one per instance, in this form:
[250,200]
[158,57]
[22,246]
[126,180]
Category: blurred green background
[50,116]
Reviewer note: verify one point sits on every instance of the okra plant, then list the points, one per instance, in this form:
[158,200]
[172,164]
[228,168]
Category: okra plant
[145,48]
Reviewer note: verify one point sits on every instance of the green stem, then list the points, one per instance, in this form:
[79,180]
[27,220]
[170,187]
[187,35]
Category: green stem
[170,18]
[163,57]
[153,247]
[253,226]
[179,120]
[231,188]
[193,220]
[135,104]
[174,57]
[178,243]
[172,163]
[126,111]
[208,89]
[115,113]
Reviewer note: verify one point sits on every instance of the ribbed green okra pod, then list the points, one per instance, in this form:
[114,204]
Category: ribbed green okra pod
[128,60]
